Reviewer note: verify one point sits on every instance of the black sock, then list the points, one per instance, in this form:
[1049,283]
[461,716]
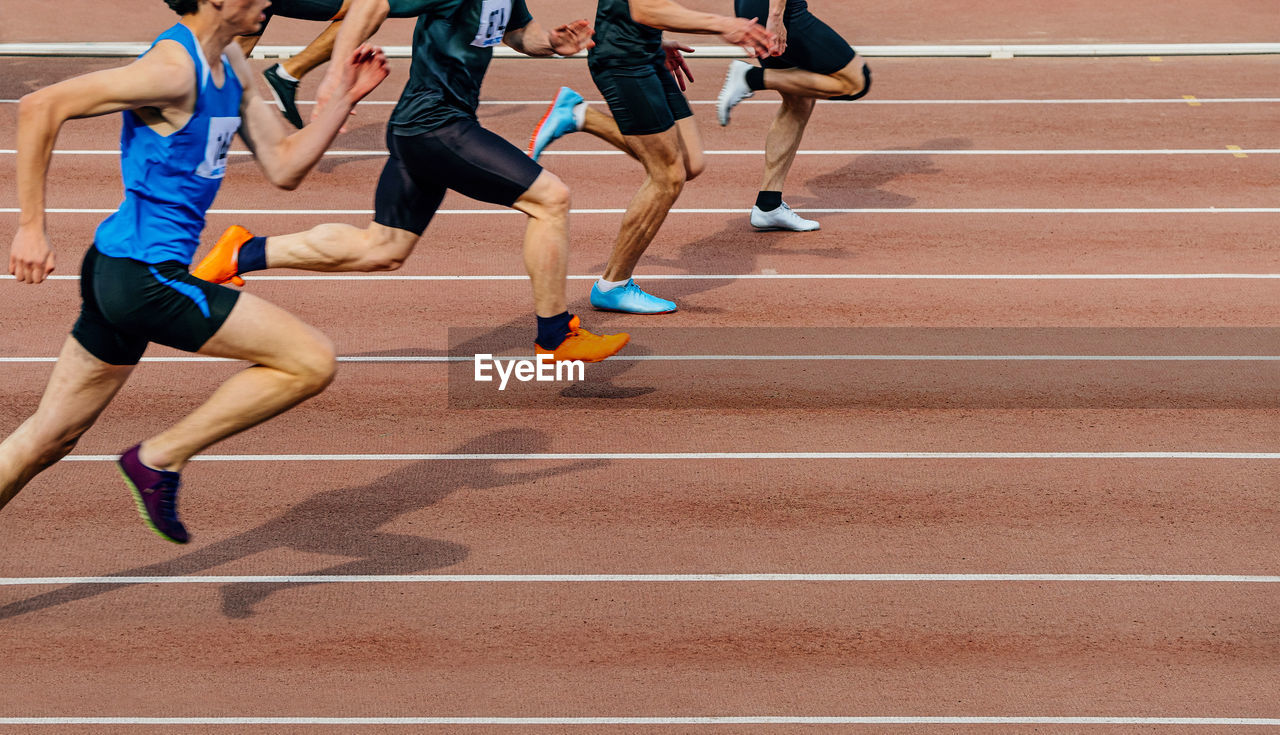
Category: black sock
[755,78]
[768,201]
[552,330]
[253,256]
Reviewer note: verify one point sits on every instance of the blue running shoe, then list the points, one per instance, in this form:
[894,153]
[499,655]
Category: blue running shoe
[559,121]
[156,494]
[629,299]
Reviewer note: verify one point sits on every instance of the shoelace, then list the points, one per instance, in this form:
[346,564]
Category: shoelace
[168,491]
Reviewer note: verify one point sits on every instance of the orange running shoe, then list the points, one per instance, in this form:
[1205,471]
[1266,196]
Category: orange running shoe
[585,346]
[222,264]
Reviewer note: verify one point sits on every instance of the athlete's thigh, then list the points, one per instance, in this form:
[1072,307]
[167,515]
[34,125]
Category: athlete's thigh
[472,161]
[658,151]
[690,144]
[637,97]
[79,388]
[259,331]
[308,9]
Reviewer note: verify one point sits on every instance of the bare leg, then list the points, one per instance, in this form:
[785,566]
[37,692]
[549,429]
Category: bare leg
[783,141]
[605,128]
[691,147]
[546,242]
[316,53]
[663,159]
[247,43]
[338,247]
[79,388]
[801,83]
[293,362]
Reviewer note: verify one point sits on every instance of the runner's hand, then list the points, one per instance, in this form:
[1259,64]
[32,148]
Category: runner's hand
[779,29]
[676,64]
[571,38]
[30,258]
[365,70]
[752,37]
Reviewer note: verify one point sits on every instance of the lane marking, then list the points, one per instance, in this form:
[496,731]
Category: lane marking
[108,49]
[864,102]
[707,720]
[1239,152]
[641,579]
[1191,100]
[868,210]
[780,277]
[678,456]
[1154,58]
[741,358]
[1236,150]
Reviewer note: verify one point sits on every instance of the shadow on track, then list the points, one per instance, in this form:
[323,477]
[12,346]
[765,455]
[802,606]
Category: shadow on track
[343,522]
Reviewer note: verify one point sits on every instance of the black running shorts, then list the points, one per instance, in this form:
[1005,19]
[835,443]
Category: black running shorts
[460,155]
[644,99]
[811,44]
[126,303]
[300,10]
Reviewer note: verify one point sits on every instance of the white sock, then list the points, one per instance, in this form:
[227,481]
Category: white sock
[580,116]
[280,72]
[607,286]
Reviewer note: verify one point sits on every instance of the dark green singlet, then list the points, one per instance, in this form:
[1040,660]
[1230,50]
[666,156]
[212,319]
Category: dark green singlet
[452,45]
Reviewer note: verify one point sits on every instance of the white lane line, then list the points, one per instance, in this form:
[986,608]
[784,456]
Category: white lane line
[742,358]
[597,721]
[105,49]
[1224,151]
[1060,101]
[739,210]
[785,277]
[668,456]
[643,579]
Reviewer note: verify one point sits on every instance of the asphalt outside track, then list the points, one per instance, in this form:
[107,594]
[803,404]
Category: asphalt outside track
[1016,649]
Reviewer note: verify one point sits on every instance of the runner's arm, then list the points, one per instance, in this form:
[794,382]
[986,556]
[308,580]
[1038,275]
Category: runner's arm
[567,40]
[666,15]
[286,159]
[776,24]
[164,77]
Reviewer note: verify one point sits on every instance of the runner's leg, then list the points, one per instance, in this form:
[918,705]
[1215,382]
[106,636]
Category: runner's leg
[79,389]
[292,362]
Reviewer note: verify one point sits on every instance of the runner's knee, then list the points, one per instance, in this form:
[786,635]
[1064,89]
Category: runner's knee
[694,164]
[670,177]
[382,254]
[316,365]
[857,82]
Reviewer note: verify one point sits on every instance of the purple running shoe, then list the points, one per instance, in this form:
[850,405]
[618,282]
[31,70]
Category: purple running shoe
[156,494]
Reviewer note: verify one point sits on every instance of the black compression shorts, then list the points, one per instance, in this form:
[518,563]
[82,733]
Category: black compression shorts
[811,44]
[461,156]
[301,10]
[644,99]
[127,303]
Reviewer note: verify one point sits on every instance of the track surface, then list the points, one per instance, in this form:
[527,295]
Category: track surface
[899,168]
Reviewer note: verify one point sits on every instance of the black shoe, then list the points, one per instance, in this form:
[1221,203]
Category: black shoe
[284,92]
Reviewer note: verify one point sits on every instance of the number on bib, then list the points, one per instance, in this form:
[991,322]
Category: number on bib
[222,130]
[494,15]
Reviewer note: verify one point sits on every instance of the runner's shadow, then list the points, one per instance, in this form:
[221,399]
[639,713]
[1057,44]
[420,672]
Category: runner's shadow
[343,522]
[859,184]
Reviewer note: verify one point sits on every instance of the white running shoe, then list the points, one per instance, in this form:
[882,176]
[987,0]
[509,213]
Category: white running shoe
[735,89]
[782,218]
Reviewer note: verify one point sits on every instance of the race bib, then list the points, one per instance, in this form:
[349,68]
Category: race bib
[222,130]
[494,15]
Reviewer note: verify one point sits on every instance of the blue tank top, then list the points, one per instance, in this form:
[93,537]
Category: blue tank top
[170,181]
